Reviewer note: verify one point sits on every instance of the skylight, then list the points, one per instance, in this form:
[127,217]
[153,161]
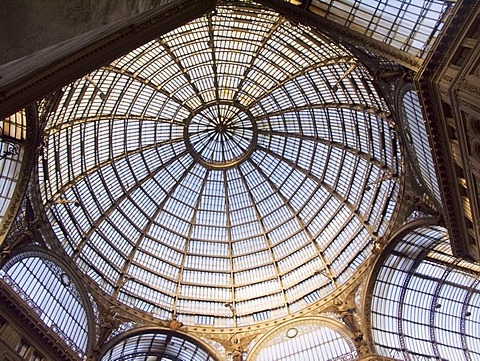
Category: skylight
[229,162]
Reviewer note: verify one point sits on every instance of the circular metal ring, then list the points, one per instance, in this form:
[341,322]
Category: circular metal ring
[221,135]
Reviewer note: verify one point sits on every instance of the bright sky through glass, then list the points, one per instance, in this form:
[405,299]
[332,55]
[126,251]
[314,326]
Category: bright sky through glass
[12,135]
[156,347]
[425,301]
[45,286]
[314,340]
[269,211]
[418,142]
[408,25]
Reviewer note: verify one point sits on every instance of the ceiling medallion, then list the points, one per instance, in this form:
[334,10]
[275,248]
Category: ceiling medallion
[221,135]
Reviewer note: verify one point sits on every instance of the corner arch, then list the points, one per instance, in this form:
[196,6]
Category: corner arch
[55,294]
[329,339]
[422,301]
[159,342]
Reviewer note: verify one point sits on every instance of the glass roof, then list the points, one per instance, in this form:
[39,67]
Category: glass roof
[425,301]
[52,295]
[156,346]
[307,340]
[232,171]
[12,135]
[409,25]
[417,141]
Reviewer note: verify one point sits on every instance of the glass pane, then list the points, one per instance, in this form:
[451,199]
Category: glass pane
[224,163]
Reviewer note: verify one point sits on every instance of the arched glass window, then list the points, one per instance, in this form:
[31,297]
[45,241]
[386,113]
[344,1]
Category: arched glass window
[306,340]
[49,290]
[157,346]
[418,143]
[12,135]
[426,303]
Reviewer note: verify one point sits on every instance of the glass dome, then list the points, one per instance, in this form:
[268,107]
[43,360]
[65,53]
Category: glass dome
[232,171]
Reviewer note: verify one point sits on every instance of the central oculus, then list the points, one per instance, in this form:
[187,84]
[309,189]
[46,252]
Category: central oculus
[221,135]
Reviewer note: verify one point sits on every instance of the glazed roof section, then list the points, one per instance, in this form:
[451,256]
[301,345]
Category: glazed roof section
[230,245]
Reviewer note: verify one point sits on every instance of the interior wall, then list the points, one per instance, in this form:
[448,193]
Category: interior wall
[29,26]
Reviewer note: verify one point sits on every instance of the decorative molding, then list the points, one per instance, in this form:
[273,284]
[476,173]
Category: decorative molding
[469,87]
[432,97]
[447,78]
[468,105]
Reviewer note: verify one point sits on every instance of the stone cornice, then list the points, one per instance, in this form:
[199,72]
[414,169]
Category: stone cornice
[427,82]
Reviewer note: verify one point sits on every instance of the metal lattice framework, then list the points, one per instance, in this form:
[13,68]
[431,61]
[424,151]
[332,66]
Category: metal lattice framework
[54,295]
[311,338]
[160,345]
[425,301]
[410,26]
[232,171]
[13,133]
[417,141]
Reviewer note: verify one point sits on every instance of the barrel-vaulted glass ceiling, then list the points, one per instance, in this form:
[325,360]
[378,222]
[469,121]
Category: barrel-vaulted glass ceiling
[425,301]
[234,170]
[409,25]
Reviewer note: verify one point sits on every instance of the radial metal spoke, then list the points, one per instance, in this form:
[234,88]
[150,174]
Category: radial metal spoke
[300,221]
[329,143]
[106,213]
[182,69]
[352,207]
[138,243]
[79,177]
[338,105]
[337,60]
[260,221]
[187,243]
[110,117]
[257,52]
[148,83]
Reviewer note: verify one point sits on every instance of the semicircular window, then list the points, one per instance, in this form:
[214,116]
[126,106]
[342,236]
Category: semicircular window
[307,340]
[158,346]
[52,295]
[426,303]
[239,160]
